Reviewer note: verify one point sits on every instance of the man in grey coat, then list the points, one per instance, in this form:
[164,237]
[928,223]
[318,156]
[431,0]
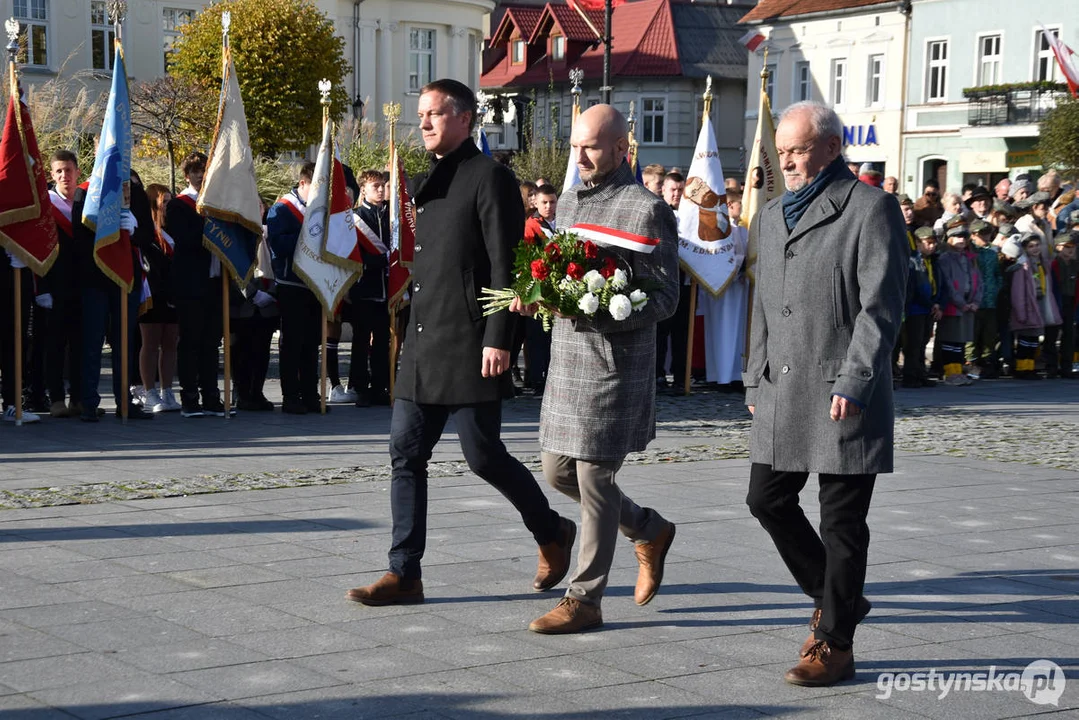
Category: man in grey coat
[599,402]
[830,291]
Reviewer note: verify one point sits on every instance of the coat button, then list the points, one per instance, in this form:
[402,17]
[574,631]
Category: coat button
[419,210]
[786,369]
[419,328]
[418,248]
[789,254]
[416,287]
[786,312]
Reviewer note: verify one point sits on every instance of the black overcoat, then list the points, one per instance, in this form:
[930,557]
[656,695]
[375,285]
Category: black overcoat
[469,219]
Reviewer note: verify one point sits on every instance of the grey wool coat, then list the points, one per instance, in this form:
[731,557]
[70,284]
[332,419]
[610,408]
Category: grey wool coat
[600,399]
[826,314]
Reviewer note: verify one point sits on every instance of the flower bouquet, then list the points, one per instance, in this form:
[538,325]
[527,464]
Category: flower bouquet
[568,277]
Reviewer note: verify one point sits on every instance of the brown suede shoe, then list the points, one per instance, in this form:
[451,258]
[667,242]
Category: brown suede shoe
[389,590]
[569,616]
[555,557]
[864,606]
[651,556]
[822,665]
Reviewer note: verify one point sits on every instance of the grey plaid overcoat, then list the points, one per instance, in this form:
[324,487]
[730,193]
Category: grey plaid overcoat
[826,314]
[600,398]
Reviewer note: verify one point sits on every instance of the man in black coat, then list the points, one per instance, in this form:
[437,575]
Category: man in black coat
[455,361]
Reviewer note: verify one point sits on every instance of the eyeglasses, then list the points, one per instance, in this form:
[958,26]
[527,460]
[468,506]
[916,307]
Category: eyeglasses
[932,194]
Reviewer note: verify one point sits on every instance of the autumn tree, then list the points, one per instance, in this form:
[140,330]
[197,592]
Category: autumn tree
[281,48]
[1058,141]
[174,113]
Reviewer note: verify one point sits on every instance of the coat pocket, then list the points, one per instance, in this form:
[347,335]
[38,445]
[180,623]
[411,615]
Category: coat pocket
[469,286]
[829,369]
[840,309]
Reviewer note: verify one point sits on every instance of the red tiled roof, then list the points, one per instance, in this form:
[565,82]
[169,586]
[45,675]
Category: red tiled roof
[771,9]
[523,19]
[571,23]
[644,45]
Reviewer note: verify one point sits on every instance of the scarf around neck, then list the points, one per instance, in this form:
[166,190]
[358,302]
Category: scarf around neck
[796,203]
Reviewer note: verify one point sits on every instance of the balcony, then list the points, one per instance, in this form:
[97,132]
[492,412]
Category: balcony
[1018,104]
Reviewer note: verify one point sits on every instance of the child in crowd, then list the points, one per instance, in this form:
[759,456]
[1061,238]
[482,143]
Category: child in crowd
[960,291]
[1027,290]
[1065,271]
[922,309]
[984,348]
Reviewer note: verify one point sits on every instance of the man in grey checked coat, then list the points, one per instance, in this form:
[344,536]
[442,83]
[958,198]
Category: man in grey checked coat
[831,280]
[599,402]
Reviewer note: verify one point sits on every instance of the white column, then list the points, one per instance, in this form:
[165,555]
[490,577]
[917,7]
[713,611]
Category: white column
[389,74]
[455,67]
[369,92]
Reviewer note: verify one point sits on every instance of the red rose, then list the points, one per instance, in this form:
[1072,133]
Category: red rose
[590,250]
[575,271]
[553,251]
[540,270]
[609,266]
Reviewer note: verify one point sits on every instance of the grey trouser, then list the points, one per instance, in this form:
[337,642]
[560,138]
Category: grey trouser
[604,511]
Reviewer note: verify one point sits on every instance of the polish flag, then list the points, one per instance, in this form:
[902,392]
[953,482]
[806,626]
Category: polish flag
[1066,59]
[751,40]
[592,4]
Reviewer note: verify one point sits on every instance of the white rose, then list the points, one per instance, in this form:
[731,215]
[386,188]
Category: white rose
[588,304]
[619,279]
[594,281]
[639,298]
[620,307]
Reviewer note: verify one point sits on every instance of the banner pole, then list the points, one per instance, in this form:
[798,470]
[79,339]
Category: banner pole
[393,351]
[18,345]
[689,338]
[226,325]
[123,356]
[322,369]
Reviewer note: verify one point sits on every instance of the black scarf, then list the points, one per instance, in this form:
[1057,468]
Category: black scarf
[796,203]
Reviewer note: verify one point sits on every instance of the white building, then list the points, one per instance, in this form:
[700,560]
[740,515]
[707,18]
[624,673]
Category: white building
[393,46]
[851,56]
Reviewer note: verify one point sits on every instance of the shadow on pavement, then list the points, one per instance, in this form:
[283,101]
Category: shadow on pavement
[215,527]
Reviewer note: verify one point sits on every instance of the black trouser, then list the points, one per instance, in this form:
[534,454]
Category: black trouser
[830,568]
[101,319]
[1049,348]
[914,342]
[414,431]
[676,328]
[370,321]
[7,326]
[298,345]
[40,321]
[986,337]
[1067,335]
[201,325]
[538,347]
[64,339]
[251,354]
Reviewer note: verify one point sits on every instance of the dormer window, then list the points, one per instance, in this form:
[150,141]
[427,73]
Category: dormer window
[517,52]
[558,47]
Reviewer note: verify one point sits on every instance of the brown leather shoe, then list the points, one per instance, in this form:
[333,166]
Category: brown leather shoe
[822,665]
[569,616]
[555,557]
[864,606]
[389,590]
[651,556]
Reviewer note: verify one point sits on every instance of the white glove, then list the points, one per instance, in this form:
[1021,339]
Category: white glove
[44,300]
[16,262]
[128,221]
[262,299]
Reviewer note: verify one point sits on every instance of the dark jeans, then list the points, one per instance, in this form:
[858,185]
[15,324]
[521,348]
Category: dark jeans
[7,326]
[201,326]
[915,338]
[986,337]
[101,318]
[64,342]
[370,321]
[301,337]
[414,431]
[1049,349]
[251,354]
[830,568]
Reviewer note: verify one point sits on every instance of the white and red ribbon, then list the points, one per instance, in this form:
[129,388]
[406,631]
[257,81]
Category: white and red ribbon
[606,236]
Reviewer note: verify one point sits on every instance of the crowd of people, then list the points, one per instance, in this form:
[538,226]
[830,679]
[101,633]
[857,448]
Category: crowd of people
[993,281]
[175,310]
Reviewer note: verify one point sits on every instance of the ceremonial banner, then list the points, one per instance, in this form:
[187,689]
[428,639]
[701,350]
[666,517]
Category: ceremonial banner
[764,181]
[1066,59]
[593,4]
[110,184]
[341,242]
[402,231]
[705,247]
[327,280]
[573,175]
[482,144]
[27,228]
[229,199]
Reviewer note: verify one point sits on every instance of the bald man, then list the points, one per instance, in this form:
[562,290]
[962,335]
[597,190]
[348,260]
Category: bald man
[599,402]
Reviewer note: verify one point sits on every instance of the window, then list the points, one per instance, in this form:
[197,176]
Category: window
[102,36]
[1045,63]
[558,47]
[518,56]
[33,17]
[803,82]
[988,60]
[421,58]
[653,120]
[936,70]
[172,19]
[770,83]
[874,80]
[839,81]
